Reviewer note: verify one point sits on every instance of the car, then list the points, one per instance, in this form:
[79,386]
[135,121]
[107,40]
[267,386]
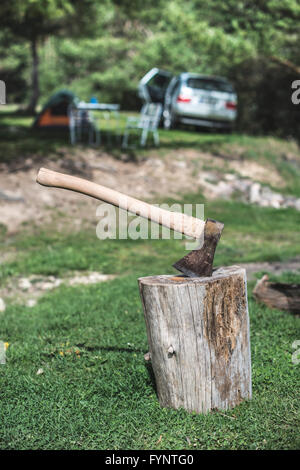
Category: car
[190,98]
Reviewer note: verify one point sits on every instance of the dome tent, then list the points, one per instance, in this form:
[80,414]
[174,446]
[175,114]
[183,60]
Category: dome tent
[55,112]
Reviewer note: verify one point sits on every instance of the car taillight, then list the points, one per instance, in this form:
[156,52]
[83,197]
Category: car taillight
[183,99]
[230,105]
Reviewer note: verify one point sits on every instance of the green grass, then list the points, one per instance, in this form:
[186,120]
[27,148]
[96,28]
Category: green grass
[250,234]
[96,391]
[103,397]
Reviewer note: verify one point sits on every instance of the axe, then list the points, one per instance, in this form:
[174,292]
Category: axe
[197,263]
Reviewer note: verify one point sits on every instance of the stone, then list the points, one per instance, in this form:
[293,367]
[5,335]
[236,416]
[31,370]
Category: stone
[230,177]
[2,305]
[254,195]
[224,189]
[24,283]
[297,204]
[179,164]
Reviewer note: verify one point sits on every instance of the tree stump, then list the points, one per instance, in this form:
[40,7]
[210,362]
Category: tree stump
[198,335]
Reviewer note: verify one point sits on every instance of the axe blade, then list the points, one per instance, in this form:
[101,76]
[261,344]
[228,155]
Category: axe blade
[199,262]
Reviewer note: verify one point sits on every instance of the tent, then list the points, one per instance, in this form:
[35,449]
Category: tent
[55,112]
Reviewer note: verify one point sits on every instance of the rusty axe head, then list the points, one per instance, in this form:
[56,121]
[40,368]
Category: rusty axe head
[199,262]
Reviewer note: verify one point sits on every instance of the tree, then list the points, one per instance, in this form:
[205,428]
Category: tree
[272,26]
[34,20]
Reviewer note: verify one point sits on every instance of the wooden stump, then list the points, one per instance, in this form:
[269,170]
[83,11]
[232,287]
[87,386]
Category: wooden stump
[198,335]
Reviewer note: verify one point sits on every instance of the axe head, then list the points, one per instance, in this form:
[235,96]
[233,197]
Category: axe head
[199,262]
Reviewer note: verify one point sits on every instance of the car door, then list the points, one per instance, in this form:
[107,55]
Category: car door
[152,87]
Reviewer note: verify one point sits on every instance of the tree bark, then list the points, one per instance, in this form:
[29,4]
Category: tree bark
[35,92]
[198,335]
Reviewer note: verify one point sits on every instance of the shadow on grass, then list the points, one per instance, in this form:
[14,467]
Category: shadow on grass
[148,364]
[110,349]
[18,142]
[18,139]
[151,376]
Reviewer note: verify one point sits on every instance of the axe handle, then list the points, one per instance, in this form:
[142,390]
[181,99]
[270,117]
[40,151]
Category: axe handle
[177,221]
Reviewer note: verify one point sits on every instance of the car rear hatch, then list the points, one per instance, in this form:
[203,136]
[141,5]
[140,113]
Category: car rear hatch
[152,87]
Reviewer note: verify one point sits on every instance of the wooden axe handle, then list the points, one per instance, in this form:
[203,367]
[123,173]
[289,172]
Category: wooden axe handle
[182,223]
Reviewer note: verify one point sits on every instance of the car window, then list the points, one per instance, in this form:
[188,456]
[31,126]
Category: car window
[159,81]
[209,84]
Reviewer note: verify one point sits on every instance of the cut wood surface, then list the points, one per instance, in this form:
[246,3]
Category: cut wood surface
[280,295]
[198,335]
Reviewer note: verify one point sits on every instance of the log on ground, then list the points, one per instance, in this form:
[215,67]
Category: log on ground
[280,295]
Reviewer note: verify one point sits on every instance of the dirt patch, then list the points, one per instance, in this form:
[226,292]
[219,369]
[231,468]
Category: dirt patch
[263,173]
[273,267]
[27,290]
[172,175]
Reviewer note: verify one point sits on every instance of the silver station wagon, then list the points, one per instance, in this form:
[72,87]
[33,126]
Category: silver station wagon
[189,98]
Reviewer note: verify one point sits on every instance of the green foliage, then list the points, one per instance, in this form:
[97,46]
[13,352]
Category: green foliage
[269,25]
[14,67]
[34,19]
[120,41]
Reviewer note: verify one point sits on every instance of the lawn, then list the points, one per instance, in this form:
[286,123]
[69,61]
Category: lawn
[95,391]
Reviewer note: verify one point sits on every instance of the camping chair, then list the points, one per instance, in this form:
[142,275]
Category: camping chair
[148,121]
[112,125]
[82,120]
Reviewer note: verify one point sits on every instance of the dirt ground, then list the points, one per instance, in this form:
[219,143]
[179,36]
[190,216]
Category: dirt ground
[27,290]
[22,200]
[273,267]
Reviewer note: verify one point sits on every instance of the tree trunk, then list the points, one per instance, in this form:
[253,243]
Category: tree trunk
[35,92]
[198,335]
[286,63]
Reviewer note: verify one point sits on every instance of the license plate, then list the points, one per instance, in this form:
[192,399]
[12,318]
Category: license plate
[207,100]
